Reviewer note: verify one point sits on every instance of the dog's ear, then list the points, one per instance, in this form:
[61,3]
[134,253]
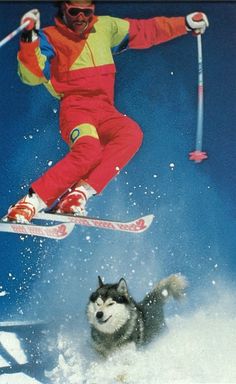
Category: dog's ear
[122,287]
[100,283]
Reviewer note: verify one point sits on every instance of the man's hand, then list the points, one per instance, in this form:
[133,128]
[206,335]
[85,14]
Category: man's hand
[30,30]
[197,22]
[33,17]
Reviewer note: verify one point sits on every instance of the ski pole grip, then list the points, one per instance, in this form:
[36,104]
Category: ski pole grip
[198,17]
[29,22]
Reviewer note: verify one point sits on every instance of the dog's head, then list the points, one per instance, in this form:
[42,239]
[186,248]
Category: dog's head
[108,307]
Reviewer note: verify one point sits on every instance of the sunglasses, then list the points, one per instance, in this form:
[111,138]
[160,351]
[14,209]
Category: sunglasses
[75,11]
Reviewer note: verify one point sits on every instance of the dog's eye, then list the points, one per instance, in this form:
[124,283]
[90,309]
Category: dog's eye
[110,304]
[93,297]
[120,299]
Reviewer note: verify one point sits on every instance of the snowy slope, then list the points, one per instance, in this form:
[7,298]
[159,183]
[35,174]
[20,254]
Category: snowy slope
[18,378]
[199,348]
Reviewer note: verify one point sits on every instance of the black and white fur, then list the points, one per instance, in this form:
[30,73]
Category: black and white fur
[116,319]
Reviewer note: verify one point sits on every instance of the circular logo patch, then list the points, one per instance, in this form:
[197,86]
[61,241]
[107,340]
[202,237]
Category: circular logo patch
[74,135]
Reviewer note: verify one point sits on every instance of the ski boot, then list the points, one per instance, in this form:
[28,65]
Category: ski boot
[73,202]
[25,209]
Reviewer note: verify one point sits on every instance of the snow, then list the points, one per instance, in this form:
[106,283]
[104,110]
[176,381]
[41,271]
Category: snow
[164,292]
[18,378]
[11,344]
[199,348]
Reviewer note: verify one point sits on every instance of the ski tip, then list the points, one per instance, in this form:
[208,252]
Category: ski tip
[148,219]
[137,226]
[61,231]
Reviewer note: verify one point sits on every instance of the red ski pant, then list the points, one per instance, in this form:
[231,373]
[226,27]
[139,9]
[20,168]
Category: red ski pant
[102,141]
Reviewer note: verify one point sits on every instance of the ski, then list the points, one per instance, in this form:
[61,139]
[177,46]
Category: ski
[138,225]
[12,326]
[58,232]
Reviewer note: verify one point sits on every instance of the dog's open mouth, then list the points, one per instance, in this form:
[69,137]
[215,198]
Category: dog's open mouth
[101,321]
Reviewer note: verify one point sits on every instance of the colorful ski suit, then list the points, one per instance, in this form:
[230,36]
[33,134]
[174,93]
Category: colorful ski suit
[80,72]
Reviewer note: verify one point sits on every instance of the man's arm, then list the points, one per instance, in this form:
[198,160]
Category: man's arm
[35,52]
[149,32]
[145,33]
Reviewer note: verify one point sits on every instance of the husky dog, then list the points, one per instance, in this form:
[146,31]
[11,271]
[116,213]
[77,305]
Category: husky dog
[116,319]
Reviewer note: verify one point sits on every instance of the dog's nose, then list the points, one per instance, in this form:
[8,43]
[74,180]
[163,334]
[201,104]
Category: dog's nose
[99,315]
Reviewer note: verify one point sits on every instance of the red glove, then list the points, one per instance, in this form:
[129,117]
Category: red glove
[197,22]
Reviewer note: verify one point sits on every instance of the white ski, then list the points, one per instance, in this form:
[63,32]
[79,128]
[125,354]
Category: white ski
[135,226]
[59,231]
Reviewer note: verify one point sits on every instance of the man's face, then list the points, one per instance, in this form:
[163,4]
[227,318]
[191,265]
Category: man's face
[77,16]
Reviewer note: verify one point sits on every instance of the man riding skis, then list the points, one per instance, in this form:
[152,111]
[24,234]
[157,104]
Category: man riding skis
[73,59]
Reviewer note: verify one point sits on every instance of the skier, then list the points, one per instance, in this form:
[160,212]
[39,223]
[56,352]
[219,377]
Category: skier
[73,59]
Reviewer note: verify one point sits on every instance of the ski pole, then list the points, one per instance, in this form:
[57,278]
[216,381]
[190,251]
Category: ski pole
[14,33]
[198,155]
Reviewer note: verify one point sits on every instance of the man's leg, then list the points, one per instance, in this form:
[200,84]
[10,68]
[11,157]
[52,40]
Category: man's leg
[85,154]
[122,137]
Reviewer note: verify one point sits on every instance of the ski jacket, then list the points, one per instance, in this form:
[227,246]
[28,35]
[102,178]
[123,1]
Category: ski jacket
[66,63]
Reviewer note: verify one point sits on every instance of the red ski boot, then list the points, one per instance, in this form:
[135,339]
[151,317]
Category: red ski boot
[74,203]
[25,209]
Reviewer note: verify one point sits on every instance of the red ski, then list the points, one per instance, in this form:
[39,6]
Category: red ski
[135,226]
